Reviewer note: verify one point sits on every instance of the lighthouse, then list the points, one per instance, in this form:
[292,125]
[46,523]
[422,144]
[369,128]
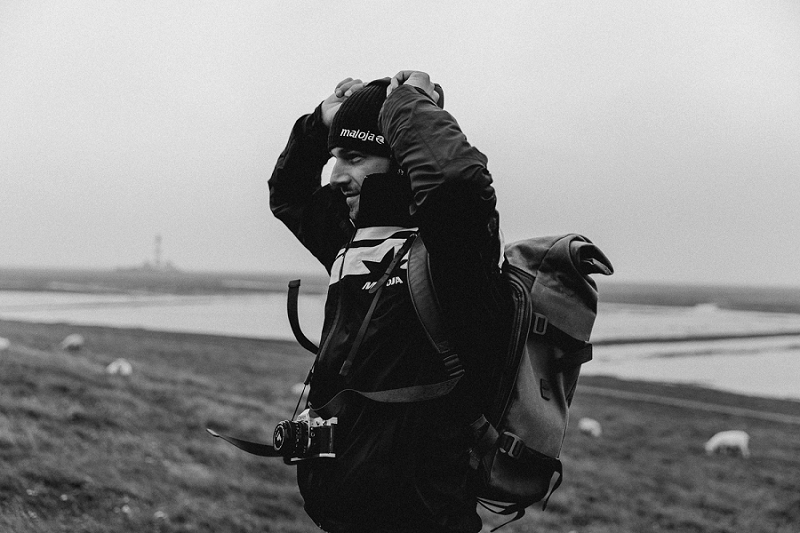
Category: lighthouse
[157,253]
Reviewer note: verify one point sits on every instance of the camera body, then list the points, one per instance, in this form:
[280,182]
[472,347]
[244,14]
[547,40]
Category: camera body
[306,437]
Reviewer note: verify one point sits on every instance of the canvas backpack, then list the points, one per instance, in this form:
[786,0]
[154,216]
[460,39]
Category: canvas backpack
[518,440]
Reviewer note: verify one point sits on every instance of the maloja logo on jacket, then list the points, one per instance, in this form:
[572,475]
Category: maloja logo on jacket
[369,255]
[362,135]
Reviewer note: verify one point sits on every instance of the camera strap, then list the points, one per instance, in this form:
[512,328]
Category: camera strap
[256,448]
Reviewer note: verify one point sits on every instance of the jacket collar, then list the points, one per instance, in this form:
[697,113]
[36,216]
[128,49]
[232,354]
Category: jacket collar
[385,200]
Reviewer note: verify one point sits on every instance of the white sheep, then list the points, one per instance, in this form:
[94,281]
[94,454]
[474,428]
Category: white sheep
[590,426]
[4,344]
[732,441]
[120,366]
[73,342]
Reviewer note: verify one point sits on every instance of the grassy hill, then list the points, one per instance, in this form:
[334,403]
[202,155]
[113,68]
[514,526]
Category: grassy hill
[83,451]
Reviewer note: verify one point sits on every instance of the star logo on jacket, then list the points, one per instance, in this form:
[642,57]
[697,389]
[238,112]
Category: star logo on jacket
[378,269]
[367,253]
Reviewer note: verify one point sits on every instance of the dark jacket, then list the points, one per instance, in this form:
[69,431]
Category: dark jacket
[397,464]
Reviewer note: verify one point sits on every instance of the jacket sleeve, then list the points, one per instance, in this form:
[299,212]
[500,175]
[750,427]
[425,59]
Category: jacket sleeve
[316,216]
[454,207]
[453,198]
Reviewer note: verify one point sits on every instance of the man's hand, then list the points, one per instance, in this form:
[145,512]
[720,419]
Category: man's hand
[331,104]
[415,78]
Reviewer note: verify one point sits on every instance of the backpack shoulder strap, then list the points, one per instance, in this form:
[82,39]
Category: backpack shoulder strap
[423,297]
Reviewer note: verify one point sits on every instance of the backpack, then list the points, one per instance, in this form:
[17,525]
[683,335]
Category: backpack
[518,440]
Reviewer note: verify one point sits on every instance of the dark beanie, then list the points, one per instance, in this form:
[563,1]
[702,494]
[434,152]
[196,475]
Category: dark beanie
[355,125]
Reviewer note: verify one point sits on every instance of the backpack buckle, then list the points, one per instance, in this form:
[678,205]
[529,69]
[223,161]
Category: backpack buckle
[511,445]
[539,325]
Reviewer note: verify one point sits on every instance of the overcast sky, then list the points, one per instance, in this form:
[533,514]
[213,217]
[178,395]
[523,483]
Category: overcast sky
[667,132]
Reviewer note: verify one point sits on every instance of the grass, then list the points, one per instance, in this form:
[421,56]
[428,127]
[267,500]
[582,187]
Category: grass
[84,451]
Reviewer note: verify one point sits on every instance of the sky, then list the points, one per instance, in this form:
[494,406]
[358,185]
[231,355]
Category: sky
[667,132]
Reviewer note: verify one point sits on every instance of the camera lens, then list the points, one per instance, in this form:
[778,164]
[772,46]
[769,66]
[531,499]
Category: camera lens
[283,438]
[289,437]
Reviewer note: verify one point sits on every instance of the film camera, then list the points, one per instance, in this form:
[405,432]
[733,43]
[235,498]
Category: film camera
[304,438]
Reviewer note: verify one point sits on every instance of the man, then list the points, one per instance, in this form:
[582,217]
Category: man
[402,167]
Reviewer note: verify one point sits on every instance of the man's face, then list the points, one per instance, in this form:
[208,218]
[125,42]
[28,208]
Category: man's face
[350,170]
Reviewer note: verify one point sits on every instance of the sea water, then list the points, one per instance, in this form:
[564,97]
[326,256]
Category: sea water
[768,366]
[755,366]
[259,315]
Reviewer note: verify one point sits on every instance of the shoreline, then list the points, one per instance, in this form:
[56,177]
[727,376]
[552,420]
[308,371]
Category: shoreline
[762,298]
[596,384]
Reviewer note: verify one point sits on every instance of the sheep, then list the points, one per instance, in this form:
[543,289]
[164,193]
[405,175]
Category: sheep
[589,426]
[732,441]
[119,366]
[73,342]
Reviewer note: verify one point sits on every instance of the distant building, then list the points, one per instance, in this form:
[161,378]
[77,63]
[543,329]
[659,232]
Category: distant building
[156,265]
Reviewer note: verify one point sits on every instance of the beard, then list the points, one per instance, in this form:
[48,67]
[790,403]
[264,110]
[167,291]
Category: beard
[352,204]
